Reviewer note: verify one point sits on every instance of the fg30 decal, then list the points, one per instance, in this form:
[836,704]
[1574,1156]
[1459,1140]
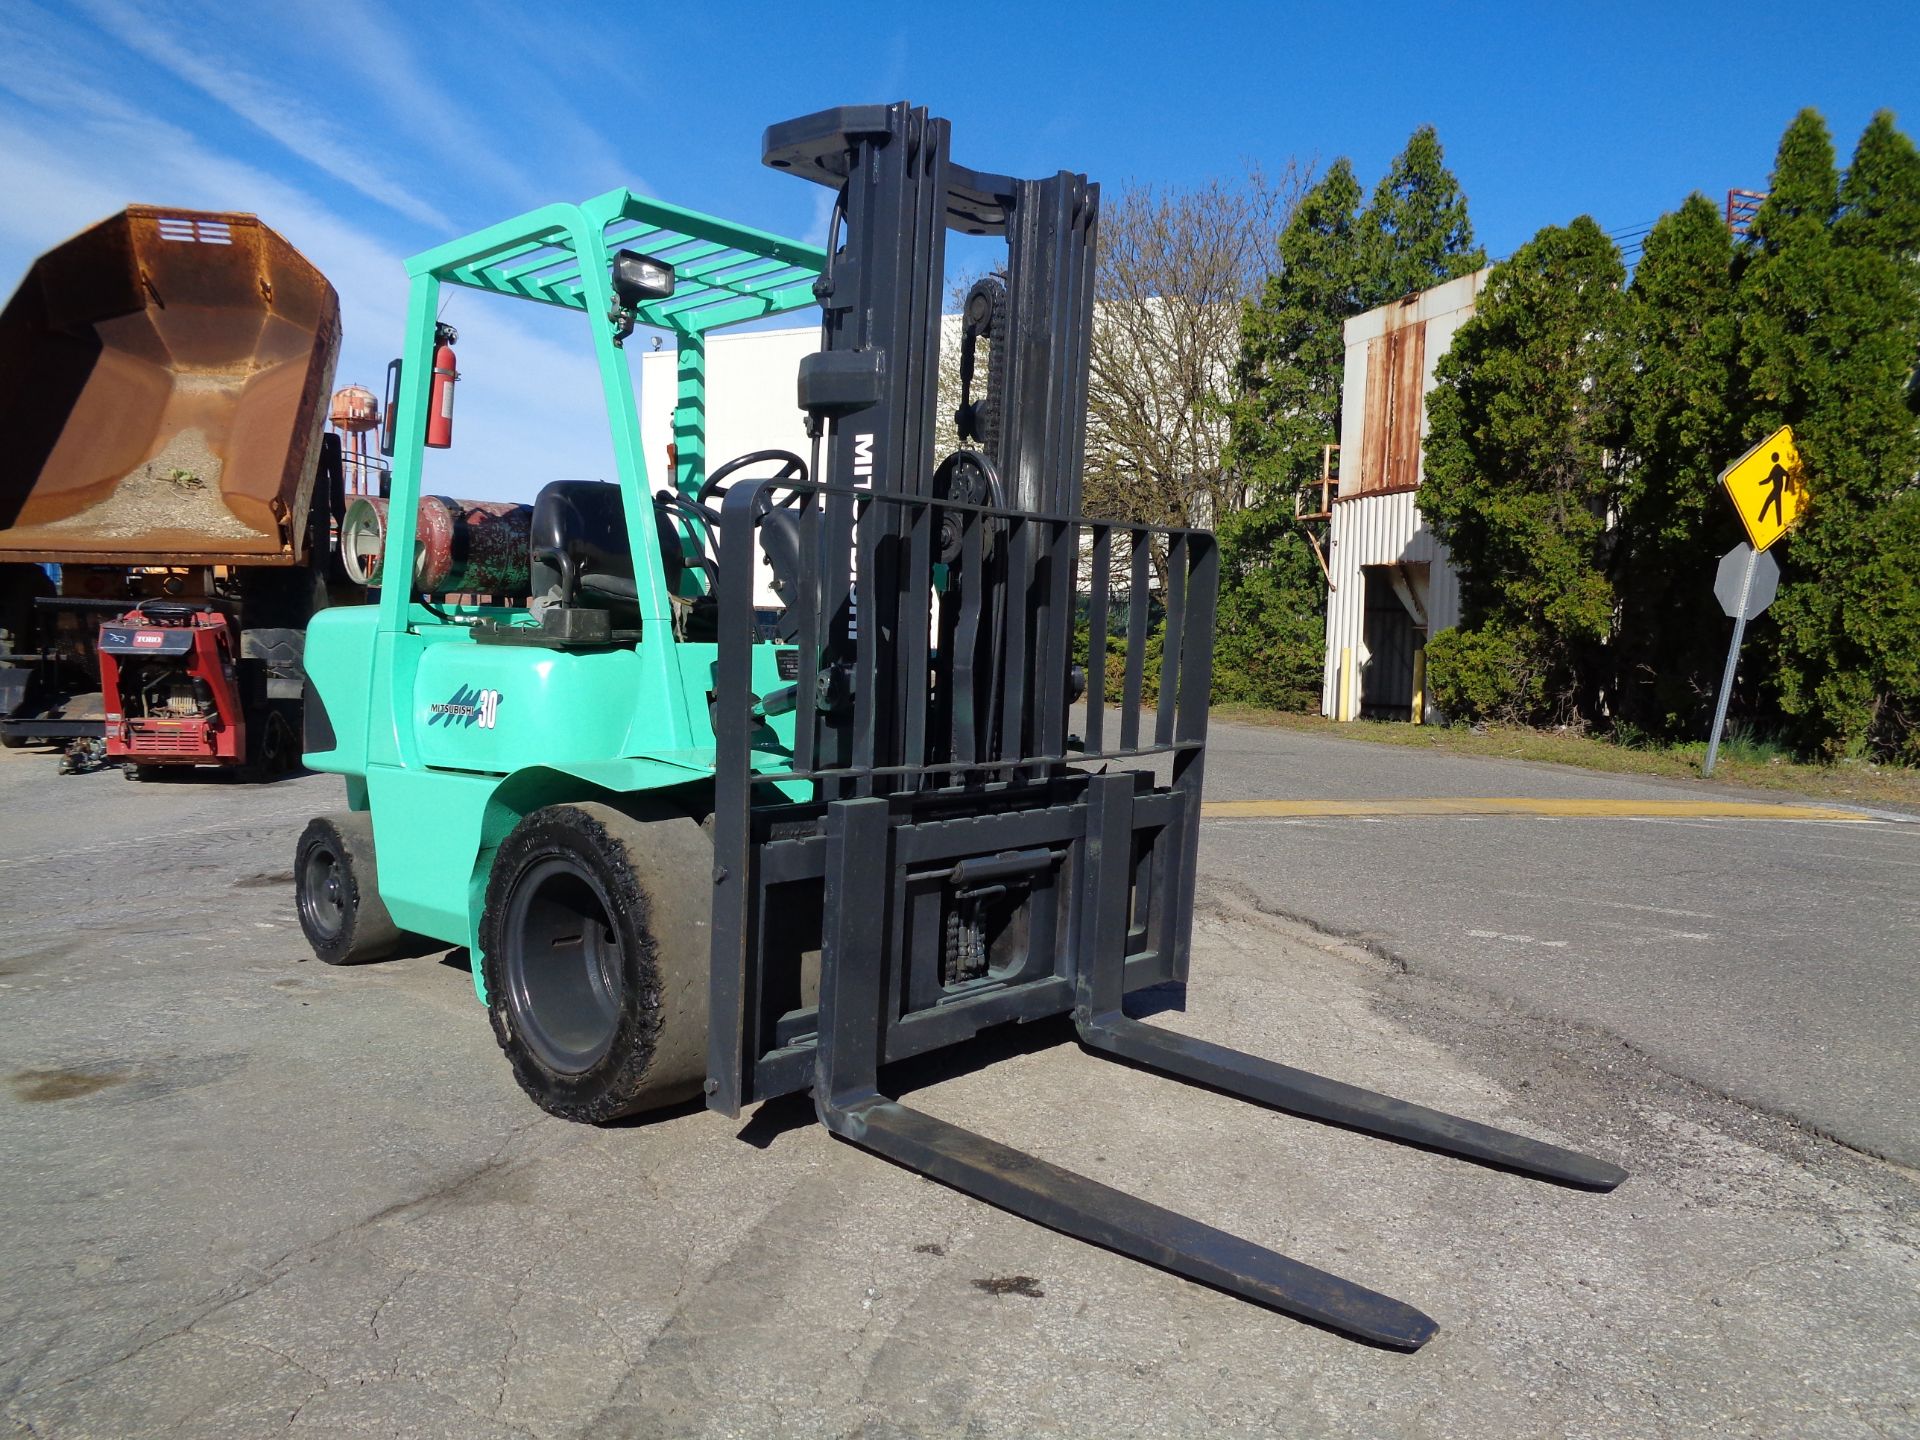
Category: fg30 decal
[467,706]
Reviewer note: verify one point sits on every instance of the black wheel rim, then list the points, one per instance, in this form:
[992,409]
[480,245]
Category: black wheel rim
[323,894]
[565,967]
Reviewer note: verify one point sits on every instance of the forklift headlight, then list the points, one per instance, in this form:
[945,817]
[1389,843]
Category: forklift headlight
[637,279]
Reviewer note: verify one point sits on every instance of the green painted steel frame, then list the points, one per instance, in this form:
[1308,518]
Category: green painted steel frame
[441,824]
[560,254]
[723,273]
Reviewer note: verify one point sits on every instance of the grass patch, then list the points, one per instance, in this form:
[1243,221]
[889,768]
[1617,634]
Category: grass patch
[1744,759]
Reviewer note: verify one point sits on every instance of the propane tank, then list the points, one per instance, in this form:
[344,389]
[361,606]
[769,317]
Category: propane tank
[440,397]
[459,546]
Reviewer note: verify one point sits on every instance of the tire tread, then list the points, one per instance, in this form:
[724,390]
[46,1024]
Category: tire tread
[656,868]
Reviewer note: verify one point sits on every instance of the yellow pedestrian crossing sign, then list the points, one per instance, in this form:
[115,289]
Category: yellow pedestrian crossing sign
[1767,488]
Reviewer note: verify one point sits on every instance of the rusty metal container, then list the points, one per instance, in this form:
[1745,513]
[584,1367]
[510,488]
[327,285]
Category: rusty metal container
[460,546]
[166,376]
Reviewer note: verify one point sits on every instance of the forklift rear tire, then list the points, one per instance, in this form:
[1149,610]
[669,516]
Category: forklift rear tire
[336,891]
[595,951]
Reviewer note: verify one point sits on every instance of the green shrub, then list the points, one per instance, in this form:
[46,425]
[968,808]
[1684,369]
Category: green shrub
[1489,674]
[1116,656]
[1268,643]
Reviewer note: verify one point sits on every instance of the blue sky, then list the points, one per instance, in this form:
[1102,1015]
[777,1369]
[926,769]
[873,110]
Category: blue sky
[364,133]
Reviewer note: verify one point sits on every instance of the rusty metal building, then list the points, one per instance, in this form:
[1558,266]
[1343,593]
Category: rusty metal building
[1392,583]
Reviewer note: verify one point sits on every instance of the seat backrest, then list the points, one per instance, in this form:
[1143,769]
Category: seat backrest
[581,553]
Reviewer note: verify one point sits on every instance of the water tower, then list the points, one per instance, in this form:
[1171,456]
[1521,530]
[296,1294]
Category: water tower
[355,413]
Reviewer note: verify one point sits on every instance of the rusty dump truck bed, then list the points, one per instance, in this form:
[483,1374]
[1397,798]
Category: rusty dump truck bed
[167,374]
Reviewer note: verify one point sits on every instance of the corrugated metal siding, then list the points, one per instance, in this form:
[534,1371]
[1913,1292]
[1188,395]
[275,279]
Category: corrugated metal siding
[1379,530]
[1387,529]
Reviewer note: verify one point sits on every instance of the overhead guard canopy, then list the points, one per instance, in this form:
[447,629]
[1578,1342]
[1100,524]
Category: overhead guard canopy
[724,273]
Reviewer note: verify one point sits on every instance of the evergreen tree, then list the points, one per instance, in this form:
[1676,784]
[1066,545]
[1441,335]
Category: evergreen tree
[1519,484]
[1416,233]
[1334,261]
[1679,426]
[1832,329]
[1271,631]
[1878,235]
[1785,354]
[1880,197]
[1292,345]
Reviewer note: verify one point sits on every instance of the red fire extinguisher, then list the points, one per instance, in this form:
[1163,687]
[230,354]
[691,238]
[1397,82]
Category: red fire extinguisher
[440,396]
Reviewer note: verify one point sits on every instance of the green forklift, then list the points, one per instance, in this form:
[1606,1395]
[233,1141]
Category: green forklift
[790,769]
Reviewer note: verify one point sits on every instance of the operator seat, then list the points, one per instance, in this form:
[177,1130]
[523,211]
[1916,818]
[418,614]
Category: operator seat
[581,557]
[580,552]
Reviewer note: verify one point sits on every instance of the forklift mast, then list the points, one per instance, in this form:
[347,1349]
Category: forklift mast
[941,846]
[874,391]
[901,192]
[933,612]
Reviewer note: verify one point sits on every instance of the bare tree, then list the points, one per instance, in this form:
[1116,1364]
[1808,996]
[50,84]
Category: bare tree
[946,432]
[1174,266]
[1172,269]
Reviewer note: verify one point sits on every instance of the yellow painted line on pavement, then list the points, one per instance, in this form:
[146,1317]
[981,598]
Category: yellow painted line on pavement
[1525,805]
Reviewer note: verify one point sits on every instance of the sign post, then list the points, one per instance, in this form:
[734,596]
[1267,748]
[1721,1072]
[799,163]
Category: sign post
[1766,487]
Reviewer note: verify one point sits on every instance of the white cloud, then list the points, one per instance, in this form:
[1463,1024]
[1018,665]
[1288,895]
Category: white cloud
[459,137]
[313,137]
[47,197]
[533,411]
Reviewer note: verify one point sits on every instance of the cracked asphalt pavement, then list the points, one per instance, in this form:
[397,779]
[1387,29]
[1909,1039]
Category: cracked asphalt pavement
[1772,960]
[248,1195]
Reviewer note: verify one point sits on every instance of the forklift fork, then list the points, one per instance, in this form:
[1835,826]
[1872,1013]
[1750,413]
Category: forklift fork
[1315,1097]
[849,1102]
[1104,1028]
[1075,1205]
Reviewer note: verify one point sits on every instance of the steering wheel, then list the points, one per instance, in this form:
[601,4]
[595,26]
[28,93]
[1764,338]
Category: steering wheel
[792,468]
[707,515]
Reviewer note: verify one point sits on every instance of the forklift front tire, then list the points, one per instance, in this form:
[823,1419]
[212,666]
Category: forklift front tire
[595,946]
[337,893]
